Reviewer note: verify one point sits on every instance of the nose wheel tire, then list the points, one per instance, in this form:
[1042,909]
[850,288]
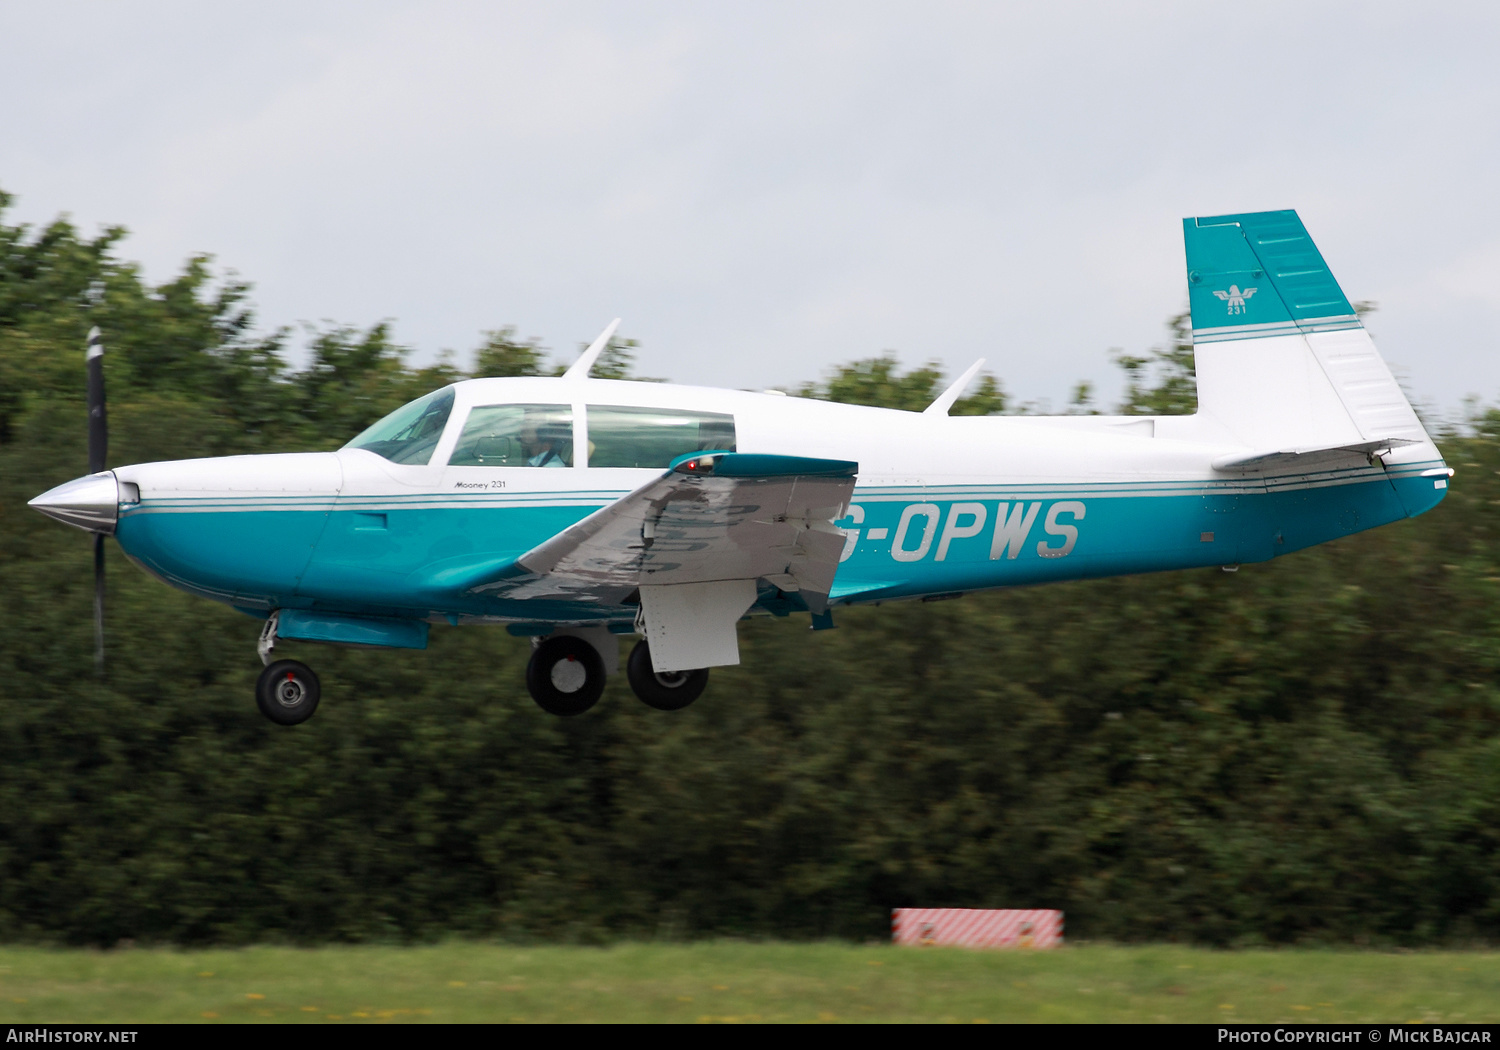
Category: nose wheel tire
[667,691]
[565,676]
[287,692]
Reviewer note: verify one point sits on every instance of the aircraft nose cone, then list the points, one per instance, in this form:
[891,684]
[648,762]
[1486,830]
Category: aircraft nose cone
[91,502]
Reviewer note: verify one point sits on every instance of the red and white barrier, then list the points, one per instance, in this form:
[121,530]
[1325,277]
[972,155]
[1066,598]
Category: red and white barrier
[977,927]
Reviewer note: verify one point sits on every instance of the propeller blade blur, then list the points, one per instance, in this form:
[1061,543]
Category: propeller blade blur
[99,602]
[98,424]
[98,454]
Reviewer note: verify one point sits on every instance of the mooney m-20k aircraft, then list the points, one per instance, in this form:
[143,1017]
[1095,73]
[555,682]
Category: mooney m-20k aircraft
[574,509]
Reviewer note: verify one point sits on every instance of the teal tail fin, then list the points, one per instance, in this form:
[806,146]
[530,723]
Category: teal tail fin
[1259,274]
[1281,357]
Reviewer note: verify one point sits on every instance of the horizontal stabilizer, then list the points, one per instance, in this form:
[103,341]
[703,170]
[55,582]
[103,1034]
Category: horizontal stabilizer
[1305,459]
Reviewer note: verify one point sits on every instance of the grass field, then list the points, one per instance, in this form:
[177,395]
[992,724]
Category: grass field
[727,981]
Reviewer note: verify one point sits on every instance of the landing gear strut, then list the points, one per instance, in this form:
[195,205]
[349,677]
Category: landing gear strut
[565,676]
[665,691]
[287,692]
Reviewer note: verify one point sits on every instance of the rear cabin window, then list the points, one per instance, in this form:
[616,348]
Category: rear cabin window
[516,436]
[653,437]
[409,434]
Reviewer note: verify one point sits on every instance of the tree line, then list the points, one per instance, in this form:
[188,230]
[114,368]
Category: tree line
[1304,751]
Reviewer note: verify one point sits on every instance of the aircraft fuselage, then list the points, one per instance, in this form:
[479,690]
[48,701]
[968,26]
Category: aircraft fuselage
[942,505]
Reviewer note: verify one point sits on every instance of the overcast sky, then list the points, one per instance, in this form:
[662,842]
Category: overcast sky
[765,190]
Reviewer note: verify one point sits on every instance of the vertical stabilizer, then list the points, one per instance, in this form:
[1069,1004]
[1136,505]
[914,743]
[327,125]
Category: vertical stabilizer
[1281,357]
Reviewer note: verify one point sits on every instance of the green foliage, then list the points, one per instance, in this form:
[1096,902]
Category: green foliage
[1303,751]
[1162,383]
[617,361]
[356,378]
[502,355]
[878,381]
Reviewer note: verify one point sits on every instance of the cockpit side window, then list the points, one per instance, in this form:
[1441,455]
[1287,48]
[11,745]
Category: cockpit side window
[410,434]
[652,437]
[516,436]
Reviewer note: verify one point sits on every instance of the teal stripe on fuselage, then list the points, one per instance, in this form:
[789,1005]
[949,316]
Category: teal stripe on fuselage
[380,556]
[1115,535]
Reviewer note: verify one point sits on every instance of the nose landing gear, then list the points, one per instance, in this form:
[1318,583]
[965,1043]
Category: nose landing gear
[287,692]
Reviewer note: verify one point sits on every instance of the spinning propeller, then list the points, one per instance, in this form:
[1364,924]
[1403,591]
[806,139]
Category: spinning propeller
[92,502]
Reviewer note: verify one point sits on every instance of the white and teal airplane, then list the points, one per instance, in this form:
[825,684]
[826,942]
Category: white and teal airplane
[574,509]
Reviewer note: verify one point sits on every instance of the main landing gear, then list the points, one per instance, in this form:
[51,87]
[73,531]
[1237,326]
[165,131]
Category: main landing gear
[566,677]
[668,691]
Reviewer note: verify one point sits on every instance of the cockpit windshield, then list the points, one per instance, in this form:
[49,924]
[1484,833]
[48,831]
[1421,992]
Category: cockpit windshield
[409,434]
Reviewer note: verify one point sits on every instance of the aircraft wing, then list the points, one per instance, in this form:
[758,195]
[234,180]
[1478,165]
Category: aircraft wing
[1329,456]
[713,516]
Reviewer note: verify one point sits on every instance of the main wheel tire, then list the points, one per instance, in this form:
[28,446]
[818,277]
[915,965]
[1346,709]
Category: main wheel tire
[667,691]
[287,692]
[565,676]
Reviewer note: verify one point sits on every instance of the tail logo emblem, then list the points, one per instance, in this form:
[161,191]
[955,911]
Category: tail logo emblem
[1236,298]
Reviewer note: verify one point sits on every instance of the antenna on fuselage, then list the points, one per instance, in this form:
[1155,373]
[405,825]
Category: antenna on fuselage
[947,397]
[580,368]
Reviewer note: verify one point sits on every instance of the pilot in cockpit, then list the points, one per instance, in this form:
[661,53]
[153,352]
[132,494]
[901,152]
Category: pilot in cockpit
[543,441]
